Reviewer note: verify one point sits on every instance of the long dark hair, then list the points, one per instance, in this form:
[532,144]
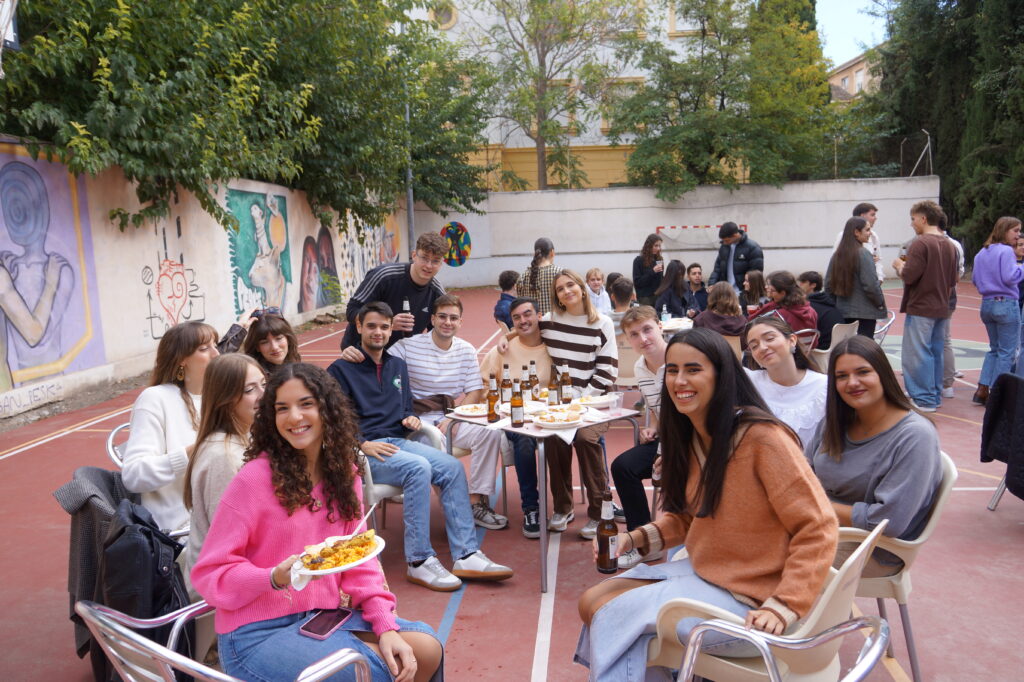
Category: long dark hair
[674,279]
[735,402]
[846,259]
[778,323]
[647,252]
[266,326]
[338,463]
[784,281]
[542,249]
[757,292]
[223,385]
[838,415]
[177,343]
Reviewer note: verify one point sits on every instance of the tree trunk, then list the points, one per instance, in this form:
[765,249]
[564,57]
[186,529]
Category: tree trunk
[542,163]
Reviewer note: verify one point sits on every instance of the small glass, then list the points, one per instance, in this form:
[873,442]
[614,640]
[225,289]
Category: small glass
[616,407]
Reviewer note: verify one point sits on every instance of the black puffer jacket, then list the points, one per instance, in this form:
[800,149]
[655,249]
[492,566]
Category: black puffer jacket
[748,257]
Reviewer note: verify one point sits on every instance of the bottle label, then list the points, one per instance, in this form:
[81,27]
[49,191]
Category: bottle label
[506,395]
[613,547]
[607,511]
[518,415]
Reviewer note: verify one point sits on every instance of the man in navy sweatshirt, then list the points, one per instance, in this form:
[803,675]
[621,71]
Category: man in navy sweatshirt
[379,389]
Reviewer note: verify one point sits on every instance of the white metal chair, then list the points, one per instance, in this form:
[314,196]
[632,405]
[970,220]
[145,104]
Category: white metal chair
[137,658]
[898,586]
[808,653]
[880,332]
[808,339]
[840,332]
[115,449]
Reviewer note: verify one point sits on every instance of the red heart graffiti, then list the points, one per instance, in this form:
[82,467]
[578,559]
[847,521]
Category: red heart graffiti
[172,289]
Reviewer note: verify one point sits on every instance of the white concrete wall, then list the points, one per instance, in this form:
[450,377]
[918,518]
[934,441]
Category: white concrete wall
[795,224]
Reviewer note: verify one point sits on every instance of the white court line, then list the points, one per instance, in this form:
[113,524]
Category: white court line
[321,338]
[542,645]
[64,433]
[988,490]
[496,332]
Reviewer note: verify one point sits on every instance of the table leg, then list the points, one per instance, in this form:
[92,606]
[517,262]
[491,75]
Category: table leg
[542,480]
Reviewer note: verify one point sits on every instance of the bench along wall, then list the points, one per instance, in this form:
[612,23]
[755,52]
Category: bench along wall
[118,292]
[796,224]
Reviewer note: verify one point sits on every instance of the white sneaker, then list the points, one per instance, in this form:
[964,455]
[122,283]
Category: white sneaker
[633,557]
[590,530]
[948,392]
[478,567]
[433,576]
[559,522]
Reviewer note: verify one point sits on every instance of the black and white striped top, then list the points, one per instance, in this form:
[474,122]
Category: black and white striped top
[587,349]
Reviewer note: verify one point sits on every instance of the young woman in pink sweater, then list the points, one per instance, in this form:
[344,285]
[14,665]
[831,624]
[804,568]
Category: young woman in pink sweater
[300,484]
[759,531]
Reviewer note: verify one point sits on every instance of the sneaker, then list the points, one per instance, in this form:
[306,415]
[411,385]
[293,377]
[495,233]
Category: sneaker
[433,576]
[589,531]
[958,374]
[923,408]
[947,392]
[531,523]
[478,567]
[620,515]
[397,499]
[633,557]
[559,522]
[485,517]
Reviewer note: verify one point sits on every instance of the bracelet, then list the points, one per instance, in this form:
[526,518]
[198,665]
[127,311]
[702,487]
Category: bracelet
[632,542]
[274,584]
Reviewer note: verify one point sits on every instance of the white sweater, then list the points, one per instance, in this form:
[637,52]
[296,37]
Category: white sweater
[154,457]
[218,459]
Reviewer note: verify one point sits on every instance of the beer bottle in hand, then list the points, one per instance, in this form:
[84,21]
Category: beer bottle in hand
[566,383]
[506,385]
[553,397]
[516,405]
[492,400]
[607,530]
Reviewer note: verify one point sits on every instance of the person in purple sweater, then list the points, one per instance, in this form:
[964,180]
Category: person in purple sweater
[301,484]
[997,274]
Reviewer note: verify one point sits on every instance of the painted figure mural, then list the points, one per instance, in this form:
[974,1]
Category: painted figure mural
[319,284]
[260,257]
[46,308]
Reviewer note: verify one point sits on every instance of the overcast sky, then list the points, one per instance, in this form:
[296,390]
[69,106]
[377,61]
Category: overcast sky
[845,30]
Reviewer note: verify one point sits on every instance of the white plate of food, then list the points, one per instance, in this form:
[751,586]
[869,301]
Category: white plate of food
[595,400]
[471,410]
[339,553]
[531,407]
[558,420]
[677,324]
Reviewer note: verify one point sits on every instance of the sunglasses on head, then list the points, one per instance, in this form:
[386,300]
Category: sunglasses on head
[273,310]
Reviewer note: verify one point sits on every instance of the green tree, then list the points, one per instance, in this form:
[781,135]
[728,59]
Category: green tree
[553,62]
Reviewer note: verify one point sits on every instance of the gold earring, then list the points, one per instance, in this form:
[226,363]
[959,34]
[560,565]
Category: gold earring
[180,376]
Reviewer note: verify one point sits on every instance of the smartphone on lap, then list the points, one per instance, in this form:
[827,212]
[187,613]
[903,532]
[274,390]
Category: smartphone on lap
[324,622]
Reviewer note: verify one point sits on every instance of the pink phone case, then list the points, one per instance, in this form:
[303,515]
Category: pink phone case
[322,624]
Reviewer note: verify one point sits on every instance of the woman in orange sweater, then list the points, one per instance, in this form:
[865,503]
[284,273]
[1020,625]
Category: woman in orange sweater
[758,528]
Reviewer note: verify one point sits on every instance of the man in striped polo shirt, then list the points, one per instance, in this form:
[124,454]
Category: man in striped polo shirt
[443,367]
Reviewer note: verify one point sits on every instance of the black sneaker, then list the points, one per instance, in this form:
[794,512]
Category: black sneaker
[620,515]
[531,523]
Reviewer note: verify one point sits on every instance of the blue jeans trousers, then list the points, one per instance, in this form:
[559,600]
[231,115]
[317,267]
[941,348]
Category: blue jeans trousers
[415,468]
[923,339]
[1002,322]
[525,452]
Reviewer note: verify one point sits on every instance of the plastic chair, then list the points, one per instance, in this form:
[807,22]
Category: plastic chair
[840,332]
[898,586]
[808,339]
[115,451]
[137,658]
[880,332]
[808,653]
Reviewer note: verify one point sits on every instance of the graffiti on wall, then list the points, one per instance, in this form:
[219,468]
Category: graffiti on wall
[459,243]
[49,317]
[260,257]
[360,253]
[319,284]
[172,293]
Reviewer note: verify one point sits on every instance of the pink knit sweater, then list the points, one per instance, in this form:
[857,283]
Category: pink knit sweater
[252,533]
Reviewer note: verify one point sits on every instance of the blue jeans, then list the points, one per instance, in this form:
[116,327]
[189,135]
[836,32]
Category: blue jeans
[415,467]
[525,452]
[272,650]
[1002,322]
[923,339]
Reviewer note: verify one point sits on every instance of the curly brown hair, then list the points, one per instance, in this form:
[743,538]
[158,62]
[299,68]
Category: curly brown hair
[338,462]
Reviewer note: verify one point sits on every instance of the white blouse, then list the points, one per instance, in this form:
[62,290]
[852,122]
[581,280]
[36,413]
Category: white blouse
[800,407]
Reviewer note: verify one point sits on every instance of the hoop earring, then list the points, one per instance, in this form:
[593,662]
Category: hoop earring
[180,375]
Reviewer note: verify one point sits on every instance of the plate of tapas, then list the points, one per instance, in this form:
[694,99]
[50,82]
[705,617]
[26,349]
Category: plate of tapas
[471,410]
[339,553]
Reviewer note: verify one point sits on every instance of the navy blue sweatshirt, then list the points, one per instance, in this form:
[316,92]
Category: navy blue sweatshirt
[381,403]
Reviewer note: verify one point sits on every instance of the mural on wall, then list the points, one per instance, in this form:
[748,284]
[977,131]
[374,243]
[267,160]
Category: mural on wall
[49,317]
[459,243]
[172,293]
[260,256]
[318,282]
[359,254]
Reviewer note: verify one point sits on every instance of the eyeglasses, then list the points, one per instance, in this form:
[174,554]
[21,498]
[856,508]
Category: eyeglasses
[434,262]
[445,317]
[273,310]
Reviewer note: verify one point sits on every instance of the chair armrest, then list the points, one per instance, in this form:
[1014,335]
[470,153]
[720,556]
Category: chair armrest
[666,649]
[339,660]
[904,549]
[429,434]
[180,533]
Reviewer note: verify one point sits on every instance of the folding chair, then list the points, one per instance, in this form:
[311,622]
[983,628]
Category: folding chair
[115,449]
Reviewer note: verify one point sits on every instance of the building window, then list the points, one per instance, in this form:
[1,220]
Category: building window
[845,83]
[616,91]
[444,14]
[858,77]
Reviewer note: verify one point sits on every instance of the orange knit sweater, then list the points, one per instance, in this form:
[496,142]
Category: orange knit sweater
[772,537]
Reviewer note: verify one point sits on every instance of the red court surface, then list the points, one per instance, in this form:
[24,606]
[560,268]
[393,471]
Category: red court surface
[966,604]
